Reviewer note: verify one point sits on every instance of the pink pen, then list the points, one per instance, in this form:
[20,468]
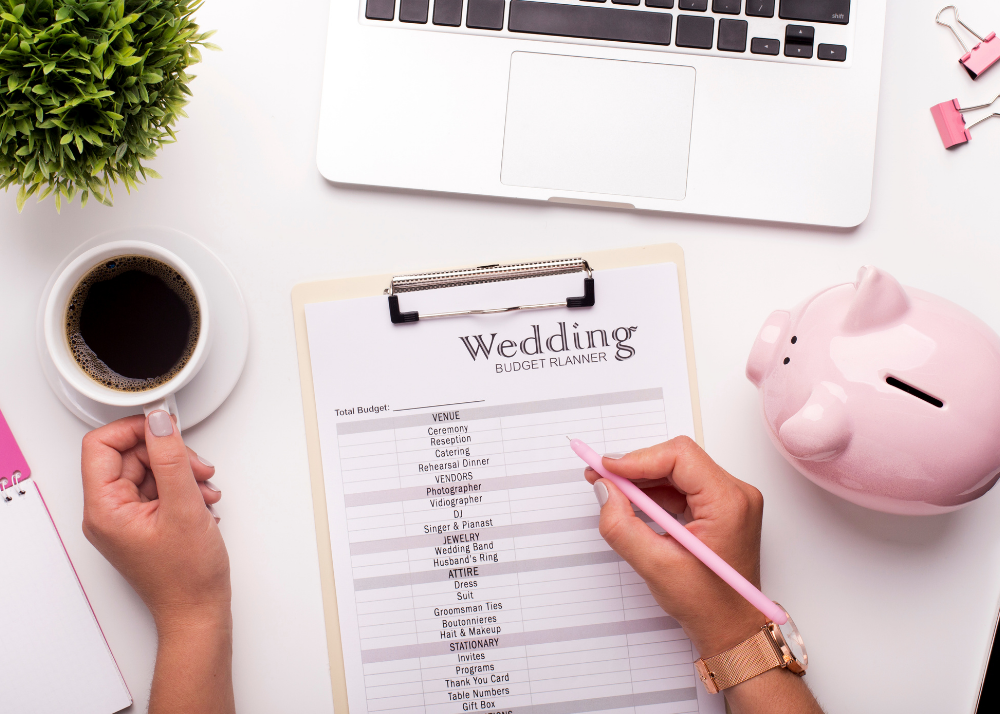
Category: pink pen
[683,536]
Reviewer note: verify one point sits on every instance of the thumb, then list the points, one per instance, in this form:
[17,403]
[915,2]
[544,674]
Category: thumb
[170,462]
[625,532]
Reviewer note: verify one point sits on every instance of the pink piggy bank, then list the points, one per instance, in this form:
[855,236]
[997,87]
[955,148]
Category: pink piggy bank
[886,396]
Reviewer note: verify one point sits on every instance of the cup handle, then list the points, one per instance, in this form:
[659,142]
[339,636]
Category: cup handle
[167,404]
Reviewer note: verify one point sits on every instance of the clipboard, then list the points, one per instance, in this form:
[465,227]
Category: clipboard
[395,286]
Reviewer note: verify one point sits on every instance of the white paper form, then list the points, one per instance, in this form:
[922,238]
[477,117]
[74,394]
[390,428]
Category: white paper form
[470,573]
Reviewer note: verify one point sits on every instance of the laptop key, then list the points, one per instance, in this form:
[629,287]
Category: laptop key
[380,9]
[695,31]
[732,35]
[665,4]
[413,11]
[800,34]
[800,51]
[833,53]
[696,5]
[836,12]
[448,12]
[625,2]
[726,7]
[760,8]
[485,15]
[591,23]
[764,46]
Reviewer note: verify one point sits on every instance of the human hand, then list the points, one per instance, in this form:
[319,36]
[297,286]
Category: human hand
[145,497]
[722,511]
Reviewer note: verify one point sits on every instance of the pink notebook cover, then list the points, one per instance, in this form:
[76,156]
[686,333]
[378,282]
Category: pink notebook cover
[13,467]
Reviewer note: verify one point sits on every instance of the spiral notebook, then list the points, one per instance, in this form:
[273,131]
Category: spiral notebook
[53,655]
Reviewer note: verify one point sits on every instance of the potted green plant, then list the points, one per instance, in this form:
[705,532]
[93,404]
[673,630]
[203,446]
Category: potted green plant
[89,89]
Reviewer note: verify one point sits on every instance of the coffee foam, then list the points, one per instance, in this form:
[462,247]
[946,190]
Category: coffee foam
[90,363]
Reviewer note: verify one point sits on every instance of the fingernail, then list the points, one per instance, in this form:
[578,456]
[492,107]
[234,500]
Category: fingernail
[211,487]
[212,511]
[614,455]
[205,461]
[160,423]
[601,491]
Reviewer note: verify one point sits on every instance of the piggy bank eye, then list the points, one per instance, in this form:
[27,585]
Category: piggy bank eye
[787,360]
[794,339]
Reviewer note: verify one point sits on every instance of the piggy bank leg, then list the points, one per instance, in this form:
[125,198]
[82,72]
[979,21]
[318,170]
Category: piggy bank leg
[821,429]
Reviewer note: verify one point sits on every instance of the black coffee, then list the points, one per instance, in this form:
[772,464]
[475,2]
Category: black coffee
[132,323]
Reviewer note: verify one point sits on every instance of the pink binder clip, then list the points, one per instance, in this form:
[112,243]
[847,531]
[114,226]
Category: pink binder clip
[951,123]
[981,57]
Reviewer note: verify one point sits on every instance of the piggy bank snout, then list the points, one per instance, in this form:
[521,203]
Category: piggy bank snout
[765,347]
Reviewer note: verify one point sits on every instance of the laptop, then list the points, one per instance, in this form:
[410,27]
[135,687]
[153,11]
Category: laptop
[754,109]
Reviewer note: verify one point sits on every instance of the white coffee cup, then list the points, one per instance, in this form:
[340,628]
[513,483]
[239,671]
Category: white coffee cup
[57,343]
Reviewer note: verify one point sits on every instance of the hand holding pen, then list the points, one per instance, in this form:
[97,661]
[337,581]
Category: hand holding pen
[723,512]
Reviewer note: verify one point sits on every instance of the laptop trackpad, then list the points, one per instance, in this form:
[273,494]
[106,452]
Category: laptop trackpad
[598,126]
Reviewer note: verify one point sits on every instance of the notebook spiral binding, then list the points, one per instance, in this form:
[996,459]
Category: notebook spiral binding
[12,480]
[489,274]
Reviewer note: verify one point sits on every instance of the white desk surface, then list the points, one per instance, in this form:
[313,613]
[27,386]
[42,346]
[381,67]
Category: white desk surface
[897,612]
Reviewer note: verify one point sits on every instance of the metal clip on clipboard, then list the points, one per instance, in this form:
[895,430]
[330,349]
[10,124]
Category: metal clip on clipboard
[488,274]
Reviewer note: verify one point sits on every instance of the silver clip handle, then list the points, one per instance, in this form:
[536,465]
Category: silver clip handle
[951,27]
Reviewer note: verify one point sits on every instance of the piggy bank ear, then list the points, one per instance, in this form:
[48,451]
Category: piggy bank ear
[821,429]
[878,300]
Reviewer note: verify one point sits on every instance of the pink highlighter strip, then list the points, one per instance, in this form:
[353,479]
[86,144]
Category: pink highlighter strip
[683,536]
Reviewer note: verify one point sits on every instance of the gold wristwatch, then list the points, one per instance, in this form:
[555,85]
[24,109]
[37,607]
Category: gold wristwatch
[773,646]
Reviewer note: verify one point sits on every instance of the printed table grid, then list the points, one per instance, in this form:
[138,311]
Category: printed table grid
[481,581]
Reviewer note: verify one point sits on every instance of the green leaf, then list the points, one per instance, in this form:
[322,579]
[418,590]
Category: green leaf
[48,67]
[109,70]
[22,198]
[66,139]
[19,11]
[211,46]
[99,50]
[127,20]
[63,13]
[129,61]
[152,77]
[8,17]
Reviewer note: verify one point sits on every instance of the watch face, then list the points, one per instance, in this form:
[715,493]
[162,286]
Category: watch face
[793,641]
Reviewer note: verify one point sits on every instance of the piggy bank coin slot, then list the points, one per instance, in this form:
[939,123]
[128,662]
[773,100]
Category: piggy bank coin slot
[893,382]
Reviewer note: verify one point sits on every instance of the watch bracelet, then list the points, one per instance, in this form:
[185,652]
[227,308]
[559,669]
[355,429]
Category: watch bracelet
[750,658]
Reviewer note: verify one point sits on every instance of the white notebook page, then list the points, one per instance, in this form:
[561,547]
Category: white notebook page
[470,573]
[51,648]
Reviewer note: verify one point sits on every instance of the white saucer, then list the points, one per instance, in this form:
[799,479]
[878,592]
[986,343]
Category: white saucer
[230,327]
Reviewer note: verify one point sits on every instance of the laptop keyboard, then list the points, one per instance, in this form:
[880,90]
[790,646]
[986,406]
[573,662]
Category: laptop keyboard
[757,29]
